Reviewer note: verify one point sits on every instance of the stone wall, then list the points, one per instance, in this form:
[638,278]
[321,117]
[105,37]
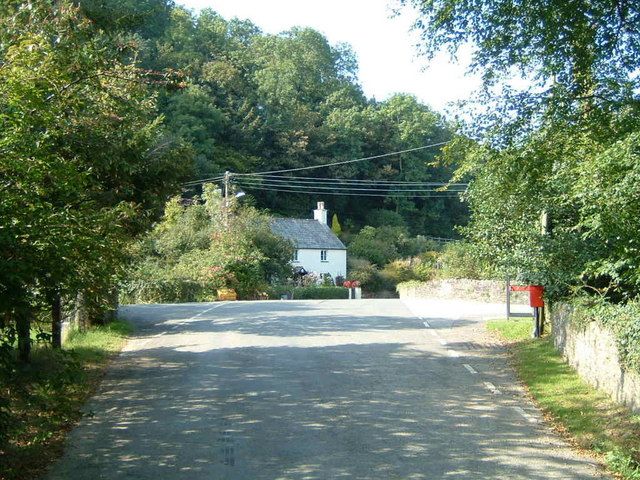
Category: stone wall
[592,351]
[74,318]
[489,291]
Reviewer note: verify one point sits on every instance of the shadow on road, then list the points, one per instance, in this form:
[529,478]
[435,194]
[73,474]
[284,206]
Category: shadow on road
[291,391]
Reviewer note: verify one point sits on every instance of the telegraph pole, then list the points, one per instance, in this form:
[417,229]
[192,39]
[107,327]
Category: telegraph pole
[227,179]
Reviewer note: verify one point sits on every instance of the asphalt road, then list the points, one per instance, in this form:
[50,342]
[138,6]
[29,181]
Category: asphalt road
[365,389]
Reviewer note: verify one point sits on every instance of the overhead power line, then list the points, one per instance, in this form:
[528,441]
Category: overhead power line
[312,192]
[193,183]
[344,162]
[353,180]
[313,167]
[348,182]
[340,187]
[366,193]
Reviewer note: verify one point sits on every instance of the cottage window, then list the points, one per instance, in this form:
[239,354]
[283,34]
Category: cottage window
[323,255]
[295,255]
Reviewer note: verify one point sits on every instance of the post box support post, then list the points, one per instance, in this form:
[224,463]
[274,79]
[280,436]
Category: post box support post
[508,297]
[537,329]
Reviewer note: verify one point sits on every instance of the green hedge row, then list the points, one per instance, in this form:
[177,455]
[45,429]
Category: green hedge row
[308,293]
[320,293]
[164,291]
[178,291]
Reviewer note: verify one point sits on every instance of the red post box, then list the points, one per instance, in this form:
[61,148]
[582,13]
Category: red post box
[535,294]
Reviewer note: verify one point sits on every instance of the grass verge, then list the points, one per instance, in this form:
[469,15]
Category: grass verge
[584,415]
[45,398]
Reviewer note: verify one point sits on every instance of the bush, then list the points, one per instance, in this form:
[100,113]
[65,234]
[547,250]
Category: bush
[320,293]
[459,260]
[377,252]
[200,248]
[424,266]
[414,246]
[368,275]
[311,279]
[158,290]
[375,245]
[398,271]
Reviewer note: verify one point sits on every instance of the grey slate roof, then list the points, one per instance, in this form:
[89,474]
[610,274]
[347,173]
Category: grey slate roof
[306,233]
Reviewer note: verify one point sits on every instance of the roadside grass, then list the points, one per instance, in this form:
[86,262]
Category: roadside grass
[45,398]
[587,417]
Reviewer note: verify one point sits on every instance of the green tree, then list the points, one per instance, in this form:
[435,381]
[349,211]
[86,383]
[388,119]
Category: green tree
[262,102]
[83,160]
[199,248]
[335,225]
[563,147]
[378,245]
[588,48]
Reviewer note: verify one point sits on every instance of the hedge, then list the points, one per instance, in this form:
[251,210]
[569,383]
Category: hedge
[320,293]
[308,293]
[164,291]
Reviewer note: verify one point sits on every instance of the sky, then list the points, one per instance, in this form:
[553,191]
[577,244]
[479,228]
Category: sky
[384,45]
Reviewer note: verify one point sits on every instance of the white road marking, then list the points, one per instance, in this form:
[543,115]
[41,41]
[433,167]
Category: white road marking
[175,327]
[453,353]
[526,416]
[218,305]
[470,368]
[491,387]
[442,341]
[426,324]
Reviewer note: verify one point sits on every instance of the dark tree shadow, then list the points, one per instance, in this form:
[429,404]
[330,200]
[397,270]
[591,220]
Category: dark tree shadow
[303,393]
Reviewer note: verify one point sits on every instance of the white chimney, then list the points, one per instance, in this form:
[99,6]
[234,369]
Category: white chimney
[320,214]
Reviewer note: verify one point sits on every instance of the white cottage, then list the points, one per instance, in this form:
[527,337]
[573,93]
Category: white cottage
[318,249]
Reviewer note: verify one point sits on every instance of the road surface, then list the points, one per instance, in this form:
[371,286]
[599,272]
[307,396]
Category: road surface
[293,390]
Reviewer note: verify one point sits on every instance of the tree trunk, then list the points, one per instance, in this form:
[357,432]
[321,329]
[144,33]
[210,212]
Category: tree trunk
[111,312]
[56,321]
[23,328]
[81,312]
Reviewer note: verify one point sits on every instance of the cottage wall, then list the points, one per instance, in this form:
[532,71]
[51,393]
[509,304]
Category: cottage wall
[336,263]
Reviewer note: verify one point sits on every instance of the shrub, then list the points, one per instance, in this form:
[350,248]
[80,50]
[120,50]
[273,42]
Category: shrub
[459,260]
[398,271]
[320,293]
[424,266]
[202,247]
[414,246]
[327,280]
[164,291]
[375,245]
[274,292]
[368,275]
[311,279]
